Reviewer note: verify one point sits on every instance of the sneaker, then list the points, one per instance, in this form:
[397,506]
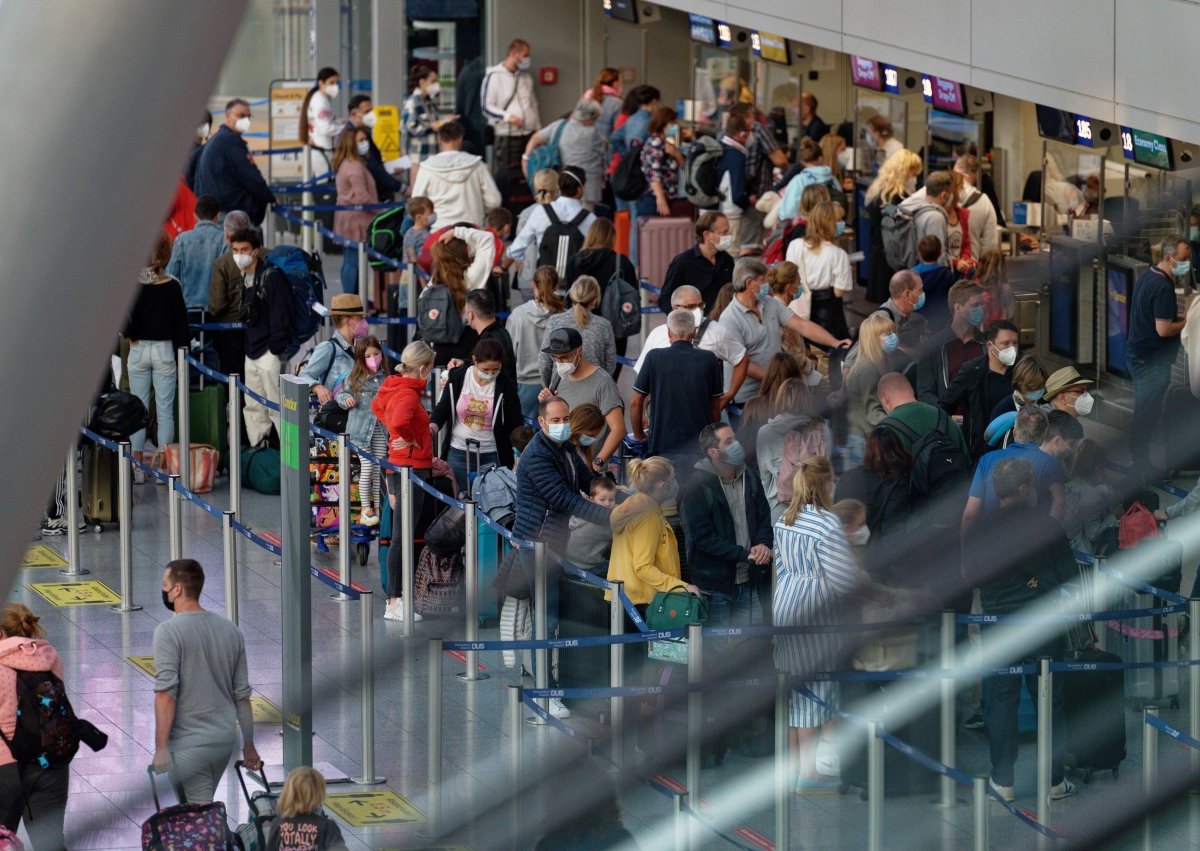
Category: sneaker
[396,613]
[806,786]
[557,710]
[975,722]
[139,475]
[1007,792]
[54,526]
[368,518]
[1063,790]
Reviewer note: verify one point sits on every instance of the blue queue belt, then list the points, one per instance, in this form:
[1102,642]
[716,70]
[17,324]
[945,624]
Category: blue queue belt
[1160,593]
[285,213]
[1174,732]
[1081,617]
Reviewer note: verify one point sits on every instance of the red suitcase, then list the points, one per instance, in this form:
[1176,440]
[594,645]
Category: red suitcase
[659,241]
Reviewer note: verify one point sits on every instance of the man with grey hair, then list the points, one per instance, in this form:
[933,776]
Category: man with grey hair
[685,390]
[580,142]
[1153,344]
[710,336]
[225,297]
[906,293]
[1029,432]
[758,323]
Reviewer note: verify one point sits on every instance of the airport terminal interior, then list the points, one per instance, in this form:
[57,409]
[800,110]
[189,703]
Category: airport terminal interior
[614,424]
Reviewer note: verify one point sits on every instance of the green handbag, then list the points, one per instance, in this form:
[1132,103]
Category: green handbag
[675,609]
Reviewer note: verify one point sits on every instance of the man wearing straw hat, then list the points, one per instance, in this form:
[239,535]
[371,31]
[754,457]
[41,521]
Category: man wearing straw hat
[1067,391]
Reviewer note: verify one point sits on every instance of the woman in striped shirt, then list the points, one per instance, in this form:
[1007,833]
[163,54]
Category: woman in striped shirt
[815,574]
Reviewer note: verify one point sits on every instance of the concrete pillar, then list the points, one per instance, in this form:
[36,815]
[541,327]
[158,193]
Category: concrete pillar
[389,54]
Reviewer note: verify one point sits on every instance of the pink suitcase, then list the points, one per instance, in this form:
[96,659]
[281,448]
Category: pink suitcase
[659,241]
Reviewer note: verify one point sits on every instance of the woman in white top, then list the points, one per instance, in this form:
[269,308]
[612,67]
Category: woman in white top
[320,126]
[824,270]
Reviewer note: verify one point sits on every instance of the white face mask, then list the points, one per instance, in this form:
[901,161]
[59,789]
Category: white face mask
[564,369]
[242,125]
[1083,405]
[243,260]
[332,90]
[363,148]
[813,378]
[202,132]
[524,64]
[433,88]
[1007,356]
[860,537]
[725,243]
[698,316]
[370,120]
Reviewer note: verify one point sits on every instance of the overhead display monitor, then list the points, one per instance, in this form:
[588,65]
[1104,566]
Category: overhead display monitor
[927,88]
[866,73]
[703,29]
[891,79]
[948,96]
[771,47]
[724,34]
[1083,131]
[1127,143]
[622,10]
[1057,124]
[1151,149]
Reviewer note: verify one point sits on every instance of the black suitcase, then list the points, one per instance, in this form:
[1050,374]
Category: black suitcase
[902,776]
[100,485]
[582,613]
[1094,706]
[397,335]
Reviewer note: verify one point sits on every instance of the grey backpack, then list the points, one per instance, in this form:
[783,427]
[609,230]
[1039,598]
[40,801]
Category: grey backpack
[438,320]
[899,231]
[620,305]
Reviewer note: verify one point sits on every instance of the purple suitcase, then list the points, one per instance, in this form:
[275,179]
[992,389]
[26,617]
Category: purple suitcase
[659,241]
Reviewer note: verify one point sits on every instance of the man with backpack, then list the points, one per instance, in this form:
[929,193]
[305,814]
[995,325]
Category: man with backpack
[917,216]
[556,230]
[956,344]
[266,308]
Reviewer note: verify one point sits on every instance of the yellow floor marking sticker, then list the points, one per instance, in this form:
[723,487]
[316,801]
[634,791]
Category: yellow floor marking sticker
[266,712]
[367,809]
[40,555]
[145,664]
[90,593]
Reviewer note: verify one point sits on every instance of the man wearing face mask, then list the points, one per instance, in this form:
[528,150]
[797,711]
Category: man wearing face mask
[709,335]
[1067,391]
[266,310]
[331,361]
[1153,344]
[957,343]
[510,105]
[727,525]
[225,293]
[984,383]
[551,480]
[227,171]
[685,391]
[362,116]
[201,689]
[906,296]
[578,381]
[708,266]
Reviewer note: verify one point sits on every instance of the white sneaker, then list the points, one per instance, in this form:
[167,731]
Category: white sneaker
[389,610]
[395,612]
[557,709]
[828,763]
[1063,790]
[139,475]
[1008,793]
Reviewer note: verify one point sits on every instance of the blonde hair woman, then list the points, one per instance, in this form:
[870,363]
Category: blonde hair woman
[599,342]
[897,179]
[877,340]
[526,327]
[815,572]
[300,824]
[824,269]
[545,190]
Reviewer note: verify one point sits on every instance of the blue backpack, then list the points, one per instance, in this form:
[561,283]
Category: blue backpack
[545,156]
[306,282]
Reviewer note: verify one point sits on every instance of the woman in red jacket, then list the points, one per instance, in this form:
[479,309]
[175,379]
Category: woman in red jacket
[410,444]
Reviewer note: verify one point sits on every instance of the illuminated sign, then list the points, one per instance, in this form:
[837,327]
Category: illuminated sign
[948,95]
[927,88]
[771,47]
[724,34]
[1083,131]
[891,79]
[702,29]
[1127,142]
[865,72]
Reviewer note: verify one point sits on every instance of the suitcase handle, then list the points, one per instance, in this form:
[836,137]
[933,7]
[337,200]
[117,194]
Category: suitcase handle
[242,770]
[154,789]
[473,446]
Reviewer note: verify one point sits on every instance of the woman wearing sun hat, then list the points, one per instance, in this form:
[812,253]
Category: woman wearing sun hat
[333,359]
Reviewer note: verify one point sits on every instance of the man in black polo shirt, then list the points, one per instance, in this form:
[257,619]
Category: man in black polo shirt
[684,386]
[708,266]
[1153,343]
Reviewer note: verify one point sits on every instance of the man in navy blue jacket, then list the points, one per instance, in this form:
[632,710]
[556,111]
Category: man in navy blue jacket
[731,174]
[551,480]
[227,171]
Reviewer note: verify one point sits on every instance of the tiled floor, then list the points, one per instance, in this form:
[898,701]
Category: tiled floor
[110,794]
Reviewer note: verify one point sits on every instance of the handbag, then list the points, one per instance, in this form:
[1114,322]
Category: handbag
[332,417]
[203,459]
[675,609]
[447,534]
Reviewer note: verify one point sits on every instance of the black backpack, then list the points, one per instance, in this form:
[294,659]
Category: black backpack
[385,234]
[561,241]
[940,467]
[47,730]
[628,183]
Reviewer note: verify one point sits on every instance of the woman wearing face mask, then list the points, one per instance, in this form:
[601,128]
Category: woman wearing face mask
[398,405]
[332,360]
[661,161]
[421,117]
[795,413]
[877,343]
[320,127]
[481,406]
[365,430]
[599,343]
[824,270]
[815,578]
[355,185]
[783,285]
[896,181]
[881,484]
[587,426]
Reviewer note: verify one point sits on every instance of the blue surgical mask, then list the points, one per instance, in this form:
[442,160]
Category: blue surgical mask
[734,454]
[920,301]
[975,316]
[891,342]
[840,228]
[485,377]
[559,432]
[670,493]
[1194,233]
[432,220]
[764,292]
[1035,395]
[1182,268]
[586,440]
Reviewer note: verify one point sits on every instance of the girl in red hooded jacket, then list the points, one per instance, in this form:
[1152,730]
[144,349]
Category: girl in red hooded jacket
[410,444]
[39,794]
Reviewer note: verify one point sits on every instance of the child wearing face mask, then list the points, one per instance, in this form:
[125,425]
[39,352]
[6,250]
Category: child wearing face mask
[356,394]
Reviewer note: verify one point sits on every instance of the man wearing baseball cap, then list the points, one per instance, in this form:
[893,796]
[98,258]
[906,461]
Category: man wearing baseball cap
[1067,390]
[578,381]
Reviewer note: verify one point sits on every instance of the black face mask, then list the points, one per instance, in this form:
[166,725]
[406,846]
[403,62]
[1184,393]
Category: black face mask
[167,602]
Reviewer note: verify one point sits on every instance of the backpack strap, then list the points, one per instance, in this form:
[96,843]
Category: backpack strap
[579,219]
[551,215]
[973,197]
[700,331]
[943,423]
[904,430]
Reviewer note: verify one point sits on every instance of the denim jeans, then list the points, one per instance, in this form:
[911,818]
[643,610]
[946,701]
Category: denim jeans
[349,269]
[1003,698]
[1151,377]
[528,561]
[152,362]
[528,394]
[457,459]
[731,609]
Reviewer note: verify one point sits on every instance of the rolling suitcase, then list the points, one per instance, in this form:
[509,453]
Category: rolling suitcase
[187,827]
[262,810]
[99,485]
[660,240]
[208,420]
[1148,639]
[583,612]
[1094,706]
